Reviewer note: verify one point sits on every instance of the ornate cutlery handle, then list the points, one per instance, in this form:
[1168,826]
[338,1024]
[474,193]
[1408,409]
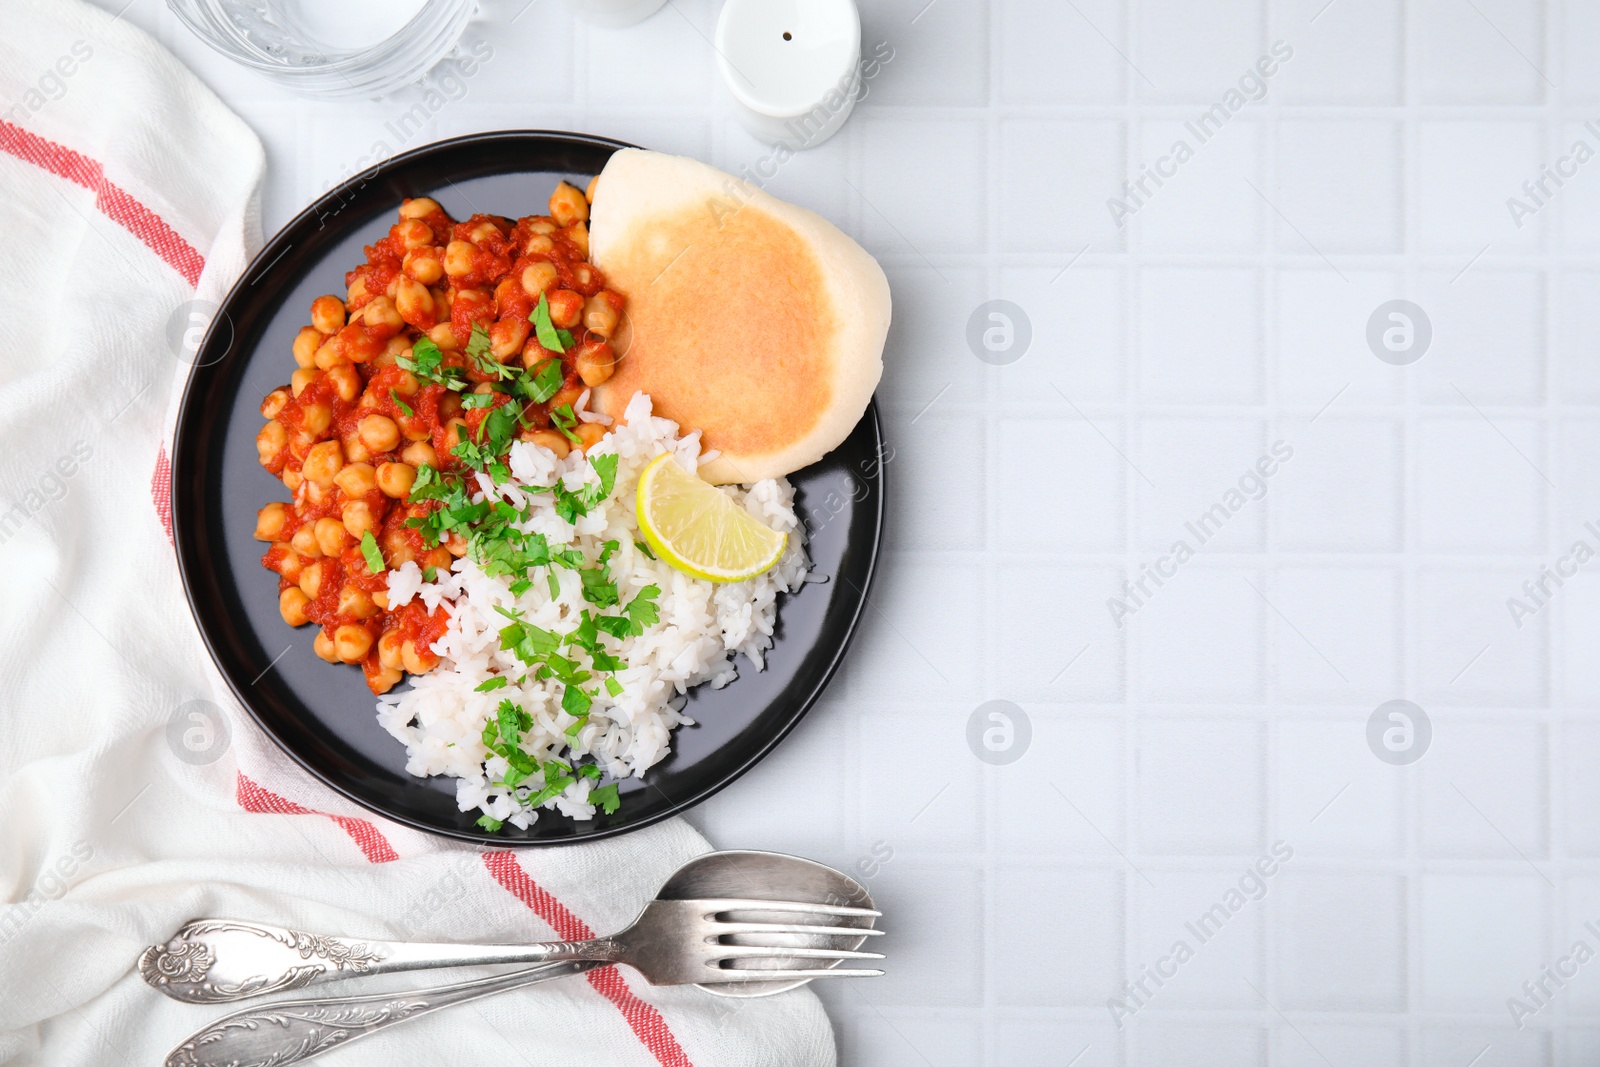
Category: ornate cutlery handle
[217,961]
[292,1031]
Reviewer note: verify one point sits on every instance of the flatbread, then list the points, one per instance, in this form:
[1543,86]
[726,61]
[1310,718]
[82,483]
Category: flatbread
[750,319]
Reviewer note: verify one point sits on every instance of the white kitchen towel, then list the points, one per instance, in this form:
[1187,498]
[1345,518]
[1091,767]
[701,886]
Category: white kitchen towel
[133,793]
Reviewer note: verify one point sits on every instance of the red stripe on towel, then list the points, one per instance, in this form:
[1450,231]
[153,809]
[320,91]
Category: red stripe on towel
[112,201]
[261,801]
[644,1019]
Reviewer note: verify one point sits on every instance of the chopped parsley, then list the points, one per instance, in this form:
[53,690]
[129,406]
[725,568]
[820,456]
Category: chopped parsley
[482,357]
[499,681]
[606,797]
[427,362]
[492,824]
[565,420]
[642,547]
[405,409]
[542,384]
[549,337]
[370,552]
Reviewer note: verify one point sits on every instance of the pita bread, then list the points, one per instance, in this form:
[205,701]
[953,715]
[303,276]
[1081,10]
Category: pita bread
[750,319]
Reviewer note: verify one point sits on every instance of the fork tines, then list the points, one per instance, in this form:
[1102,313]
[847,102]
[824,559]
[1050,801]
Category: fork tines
[735,975]
[728,928]
[715,906]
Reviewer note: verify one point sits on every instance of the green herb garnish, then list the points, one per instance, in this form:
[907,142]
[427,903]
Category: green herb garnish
[549,337]
[405,408]
[370,552]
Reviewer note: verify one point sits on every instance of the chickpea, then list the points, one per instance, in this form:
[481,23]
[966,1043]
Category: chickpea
[567,395]
[291,479]
[323,646]
[381,314]
[392,350]
[316,495]
[422,264]
[330,354]
[316,418]
[539,244]
[550,440]
[292,564]
[566,308]
[414,302]
[538,277]
[389,650]
[471,301]
[302,377]
[567,205]
[449,406]
[396,549]
[271,441]
[356,604]
[419,453]
[407,384]
[380,598]
[594,362]
[356,479]
[507,336]
[358,518]
[323,462]
[458,257]
[543,224]
[327,314]
[331,535]
[357,294]
[383,679]
[481,234]
[444,335]
[416,660]
[306,343]
[578,234]
[441,304]
[589,434]
[305,542]
[414,233]
[354,450]
[438,558]
[292,606]
[455,544]
[601,312]
[379,433]
[419,208]
[588,194]
[583,276]
[395,479]
[271,520]
[311,579]
[455,431]
[346,381]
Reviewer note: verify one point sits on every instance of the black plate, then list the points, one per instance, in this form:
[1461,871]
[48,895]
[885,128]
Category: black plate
[322,715]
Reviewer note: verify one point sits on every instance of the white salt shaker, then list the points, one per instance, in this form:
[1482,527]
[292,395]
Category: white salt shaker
[793,66]
[614,14]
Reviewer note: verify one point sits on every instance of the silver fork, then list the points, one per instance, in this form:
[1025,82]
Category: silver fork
[672,942]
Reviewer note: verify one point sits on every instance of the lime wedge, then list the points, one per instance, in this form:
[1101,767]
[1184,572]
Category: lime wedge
[701,530]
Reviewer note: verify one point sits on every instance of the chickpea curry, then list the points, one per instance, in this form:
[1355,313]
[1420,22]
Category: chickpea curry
[453,339]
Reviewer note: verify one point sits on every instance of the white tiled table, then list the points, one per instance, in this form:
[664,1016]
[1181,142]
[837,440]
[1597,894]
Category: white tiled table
[1229,711]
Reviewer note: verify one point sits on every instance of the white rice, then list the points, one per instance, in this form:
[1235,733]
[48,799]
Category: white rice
[440,718]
